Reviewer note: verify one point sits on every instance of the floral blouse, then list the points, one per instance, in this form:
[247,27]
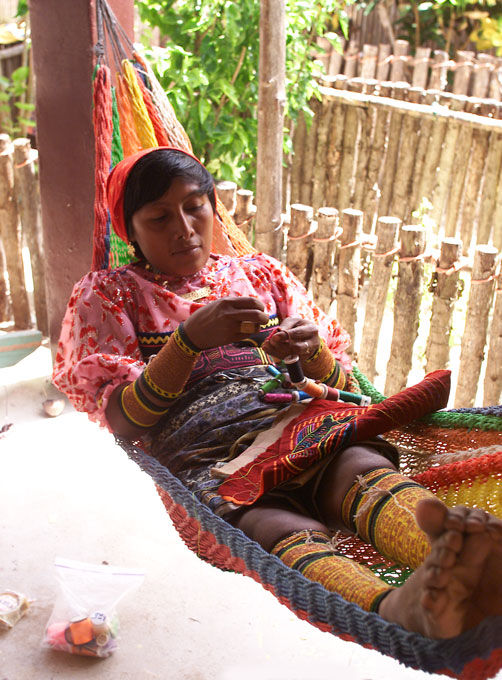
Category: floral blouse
[117,318]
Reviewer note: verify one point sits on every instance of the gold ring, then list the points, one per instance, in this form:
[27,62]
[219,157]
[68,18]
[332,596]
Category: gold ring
[247,327]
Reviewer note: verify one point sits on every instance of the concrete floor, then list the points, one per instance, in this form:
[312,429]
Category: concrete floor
[67,490]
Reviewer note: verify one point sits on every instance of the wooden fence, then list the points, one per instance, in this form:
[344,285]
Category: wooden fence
[410,308]
[391,149]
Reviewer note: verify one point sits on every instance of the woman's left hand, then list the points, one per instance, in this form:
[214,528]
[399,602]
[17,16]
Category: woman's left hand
[293,336]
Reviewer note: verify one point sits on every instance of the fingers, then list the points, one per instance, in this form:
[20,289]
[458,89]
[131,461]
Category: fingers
[293,336]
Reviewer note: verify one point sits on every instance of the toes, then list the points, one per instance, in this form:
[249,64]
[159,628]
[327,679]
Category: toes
[476,521]
[431,514]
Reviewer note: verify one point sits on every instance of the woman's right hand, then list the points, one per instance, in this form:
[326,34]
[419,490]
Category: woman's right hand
[219,322]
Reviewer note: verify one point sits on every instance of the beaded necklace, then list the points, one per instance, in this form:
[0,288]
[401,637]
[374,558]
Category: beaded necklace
[174,283]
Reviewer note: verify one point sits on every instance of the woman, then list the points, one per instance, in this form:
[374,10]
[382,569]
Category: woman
[176,349]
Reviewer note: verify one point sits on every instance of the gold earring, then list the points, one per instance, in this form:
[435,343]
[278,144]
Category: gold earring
[131,251]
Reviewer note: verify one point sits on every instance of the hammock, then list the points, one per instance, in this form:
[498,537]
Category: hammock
[456,453]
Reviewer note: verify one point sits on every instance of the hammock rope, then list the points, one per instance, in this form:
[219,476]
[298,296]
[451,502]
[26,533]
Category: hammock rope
[457,454]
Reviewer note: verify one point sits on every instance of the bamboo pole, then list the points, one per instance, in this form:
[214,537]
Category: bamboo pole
[310,152]
[383,258]
[473,180]
[421,67]
[393,142]
[349,264]
[406,308]
[271,103]
[324,246]
[399,61]
[463,72]
[492,388]
[446,162]
[10,233]
[476,325]
[488,193]
[299,141]
[439,71]
[446,290]
[299,241]
[335,142]
[351,129]
[383,65]
[372,183]
[27,193]
[406,159]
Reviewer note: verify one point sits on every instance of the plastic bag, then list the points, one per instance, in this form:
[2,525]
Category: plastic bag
[84,620]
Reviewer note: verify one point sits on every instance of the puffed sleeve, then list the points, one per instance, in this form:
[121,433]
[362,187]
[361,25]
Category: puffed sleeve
[292,299]
[98,348]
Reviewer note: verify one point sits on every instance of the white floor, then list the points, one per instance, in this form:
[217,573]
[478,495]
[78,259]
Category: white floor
[67,490]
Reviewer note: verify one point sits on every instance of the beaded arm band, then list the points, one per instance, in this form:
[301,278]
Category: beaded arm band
[147,399]
[323,367]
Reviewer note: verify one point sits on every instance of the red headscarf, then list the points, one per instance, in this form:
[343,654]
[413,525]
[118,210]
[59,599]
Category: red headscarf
[117,180]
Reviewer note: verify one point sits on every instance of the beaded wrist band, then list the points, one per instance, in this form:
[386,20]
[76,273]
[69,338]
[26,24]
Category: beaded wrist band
[323,367]
[162,381]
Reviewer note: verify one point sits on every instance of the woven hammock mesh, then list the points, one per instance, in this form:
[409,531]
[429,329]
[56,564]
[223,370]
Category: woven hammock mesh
[456,454]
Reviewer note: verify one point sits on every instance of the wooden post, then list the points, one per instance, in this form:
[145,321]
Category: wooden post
[297,163]
[463,71]
[309,153]
[497,217]
[458,176]
[335,142]
[485,64]
[495,87]
[26,188]
[493,162]
[271,102]
[299,241]
[10,234]
[227,194]
[383,66]
[369,61]
[446,290]
[439,71]
[4,298]
[424,141]
[479,151]
[383,258]
[476,325]
[321,153]
[446,162]
[350,136]
[492,388]
[244,212]
[431,160]
[349,264]
[399,61]
[393,141]
[406,158]
[351,57]
[406,308]
[336,59]
[367,119]
[323,263]
[372,186]
[421,67]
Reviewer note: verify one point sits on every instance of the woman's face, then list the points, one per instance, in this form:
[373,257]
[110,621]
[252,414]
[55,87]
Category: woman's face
[175,231]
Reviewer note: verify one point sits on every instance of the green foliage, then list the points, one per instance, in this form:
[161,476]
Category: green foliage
[14,113]
[208,65]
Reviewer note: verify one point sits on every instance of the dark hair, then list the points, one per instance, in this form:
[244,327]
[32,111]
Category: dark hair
[153,174]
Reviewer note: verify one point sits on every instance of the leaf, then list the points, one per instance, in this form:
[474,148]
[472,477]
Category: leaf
[205,109]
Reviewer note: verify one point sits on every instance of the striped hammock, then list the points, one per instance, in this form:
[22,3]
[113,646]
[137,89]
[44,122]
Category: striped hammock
[457,454]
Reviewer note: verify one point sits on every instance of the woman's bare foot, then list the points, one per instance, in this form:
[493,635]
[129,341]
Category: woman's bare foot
[460,582]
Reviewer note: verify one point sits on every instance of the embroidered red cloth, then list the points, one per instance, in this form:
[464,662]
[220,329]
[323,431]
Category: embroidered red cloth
[324,427]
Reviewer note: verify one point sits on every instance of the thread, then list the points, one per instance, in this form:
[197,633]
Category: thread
[278,398]
[295,370]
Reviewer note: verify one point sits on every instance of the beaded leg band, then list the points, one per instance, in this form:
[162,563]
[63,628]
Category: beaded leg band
[380,508]
[323,367]
[312,553]
[147,399]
